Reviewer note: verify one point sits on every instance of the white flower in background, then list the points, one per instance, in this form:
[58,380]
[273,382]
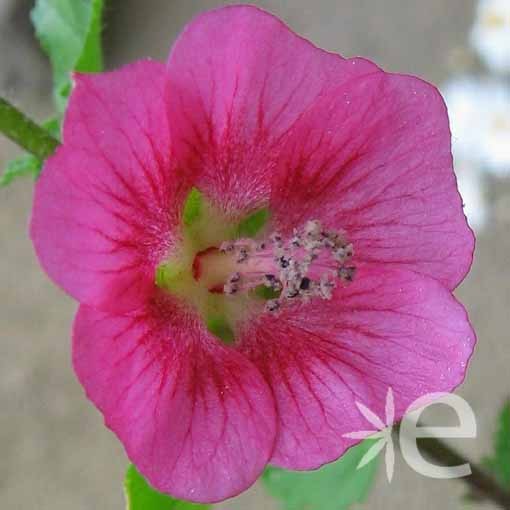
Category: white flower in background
[479,111]
[472,188]
[490,35]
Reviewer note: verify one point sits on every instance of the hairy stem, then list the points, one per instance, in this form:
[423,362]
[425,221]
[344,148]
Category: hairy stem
[483,484]
[25,132]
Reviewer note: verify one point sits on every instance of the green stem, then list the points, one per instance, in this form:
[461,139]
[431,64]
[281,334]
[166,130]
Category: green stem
[25,132]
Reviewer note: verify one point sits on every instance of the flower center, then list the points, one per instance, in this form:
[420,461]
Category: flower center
[308,264]
[226,282]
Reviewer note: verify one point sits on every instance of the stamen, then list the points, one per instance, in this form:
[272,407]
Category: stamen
[347,273]
[242,255]
[305,283]
[227,246]
[235,278]
[272,305]
[308,264]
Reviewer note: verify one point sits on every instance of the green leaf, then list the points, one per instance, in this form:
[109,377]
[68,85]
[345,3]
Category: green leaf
[141,496]
[91,58]
[53,127]
[335,486]
[499,462]
[253,224]
[70,34]
[23,166]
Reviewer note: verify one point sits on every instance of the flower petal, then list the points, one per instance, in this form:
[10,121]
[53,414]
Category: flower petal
[388,329]
[238,80]
[195,417]
[373,156]
[105,203]
[257,111]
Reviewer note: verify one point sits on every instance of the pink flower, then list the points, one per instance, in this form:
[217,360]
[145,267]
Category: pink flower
[354,167]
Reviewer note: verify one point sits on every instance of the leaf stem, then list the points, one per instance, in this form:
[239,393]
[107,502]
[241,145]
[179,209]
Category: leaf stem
[483,485]
[23,131]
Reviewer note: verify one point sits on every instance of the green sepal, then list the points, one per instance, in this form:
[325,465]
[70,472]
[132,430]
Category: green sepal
[193,207]
[253,224]
[219,326]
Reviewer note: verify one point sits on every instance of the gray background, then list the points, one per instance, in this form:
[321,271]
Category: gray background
[55,453]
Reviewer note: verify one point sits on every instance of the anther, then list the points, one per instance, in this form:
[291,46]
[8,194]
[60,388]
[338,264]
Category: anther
[227,246]
[272,305]
[276,239]
[291,293]
[242,255]
[343,253]
[346,273]
[326,287]
[296,239]
[230,288]
[283,262]
[313,229]
[307,264]
[305,283]
[235,278]
[269,280]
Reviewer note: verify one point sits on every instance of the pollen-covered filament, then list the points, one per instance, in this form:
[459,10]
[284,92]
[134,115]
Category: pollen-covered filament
[308,264]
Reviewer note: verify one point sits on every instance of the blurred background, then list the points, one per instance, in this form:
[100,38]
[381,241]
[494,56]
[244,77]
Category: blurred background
[55,453]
